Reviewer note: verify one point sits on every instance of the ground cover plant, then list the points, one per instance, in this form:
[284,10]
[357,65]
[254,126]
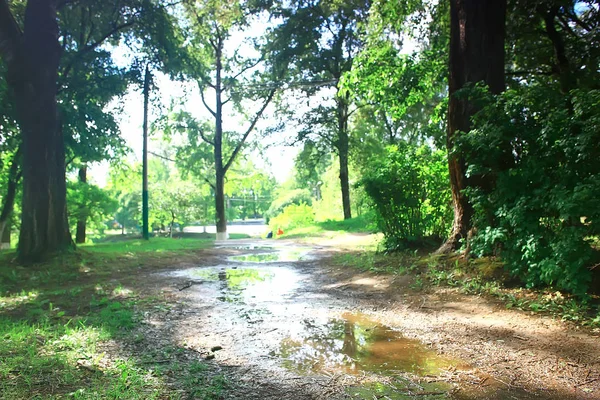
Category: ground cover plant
[61,322]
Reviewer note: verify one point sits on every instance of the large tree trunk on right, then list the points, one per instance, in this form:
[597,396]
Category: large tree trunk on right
[477,33]
[34,73]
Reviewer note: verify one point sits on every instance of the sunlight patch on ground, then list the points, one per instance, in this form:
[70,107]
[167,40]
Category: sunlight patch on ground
[17,299]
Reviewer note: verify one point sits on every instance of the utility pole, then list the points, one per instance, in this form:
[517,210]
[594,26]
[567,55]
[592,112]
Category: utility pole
[145,230]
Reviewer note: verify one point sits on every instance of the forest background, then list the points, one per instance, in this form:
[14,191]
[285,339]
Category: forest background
[451,126]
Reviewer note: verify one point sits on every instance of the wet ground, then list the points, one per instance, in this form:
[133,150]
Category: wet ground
[282,325]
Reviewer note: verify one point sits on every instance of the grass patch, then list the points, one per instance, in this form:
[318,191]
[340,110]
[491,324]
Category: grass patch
[362,224]
[331,228]
[372,261]
[154,245]
[71,327]
[92,262]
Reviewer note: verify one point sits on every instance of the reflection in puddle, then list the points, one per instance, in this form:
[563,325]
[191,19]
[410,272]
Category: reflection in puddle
[353,344]
[249,247]
[248,285]
[283,255]
[401,389]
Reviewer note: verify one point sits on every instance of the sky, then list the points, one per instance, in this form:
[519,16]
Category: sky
[277,158]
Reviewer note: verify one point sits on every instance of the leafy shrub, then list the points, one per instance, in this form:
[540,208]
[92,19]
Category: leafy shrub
[409,187]
[541,149]
[296,196]
[293,216]
[88,201]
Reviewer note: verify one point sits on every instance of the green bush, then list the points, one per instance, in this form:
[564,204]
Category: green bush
[409,187]
[296,196]
[541,149]
[293,216]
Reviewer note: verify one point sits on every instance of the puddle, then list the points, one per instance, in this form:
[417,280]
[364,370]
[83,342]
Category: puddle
[249,247]
[401,389]
[247,285]
[282,255]
[353,344]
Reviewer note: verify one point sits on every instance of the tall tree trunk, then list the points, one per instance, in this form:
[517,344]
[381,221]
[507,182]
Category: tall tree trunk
[34,73]
[145,216]
[477,32]
[221,221]
[343,145]
[82,213]
[14,175]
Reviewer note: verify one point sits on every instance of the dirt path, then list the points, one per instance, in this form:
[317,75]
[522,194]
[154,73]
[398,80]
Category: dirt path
[285,323]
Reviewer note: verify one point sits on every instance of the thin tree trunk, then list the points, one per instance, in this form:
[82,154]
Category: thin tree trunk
[82,214]
[172,224]
[477,32]
[44,225]
[221,220]
[14,175]
[145,216]
[343,143]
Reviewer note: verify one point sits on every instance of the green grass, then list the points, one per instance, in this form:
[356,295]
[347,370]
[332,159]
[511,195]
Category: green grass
[155,245]
[69,328]
[331,228]
[94,261]
[395,263]
[361,224]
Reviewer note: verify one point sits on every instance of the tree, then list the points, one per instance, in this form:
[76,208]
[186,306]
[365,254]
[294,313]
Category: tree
[321,39]
[477,33]
[10,161]
[124,184]
[176,200]
[32,55]
[89,203]
[223,72]
[539,140]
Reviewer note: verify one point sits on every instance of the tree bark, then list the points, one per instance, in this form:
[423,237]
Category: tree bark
[221,220]
[33,77]
[343,144]
[145,213]
[477,33]
[82,214]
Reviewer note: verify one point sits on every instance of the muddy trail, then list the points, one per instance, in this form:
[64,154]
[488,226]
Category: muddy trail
[281,321]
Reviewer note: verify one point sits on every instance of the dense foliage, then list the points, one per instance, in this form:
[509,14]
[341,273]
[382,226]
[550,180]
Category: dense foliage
[371,90]
[542,214]
[408,186]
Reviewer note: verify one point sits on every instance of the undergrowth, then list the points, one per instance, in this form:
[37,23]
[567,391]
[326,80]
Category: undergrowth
[70,329]
[480,277]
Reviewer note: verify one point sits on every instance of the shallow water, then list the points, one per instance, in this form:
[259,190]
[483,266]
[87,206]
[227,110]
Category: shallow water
[282,255]
[352,344]
[270,312]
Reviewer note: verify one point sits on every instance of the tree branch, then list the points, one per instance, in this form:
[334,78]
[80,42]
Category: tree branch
[92,47]
[245,69]
[205,179]
[161,156]
[249,130]
[210,110]
[207,140]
